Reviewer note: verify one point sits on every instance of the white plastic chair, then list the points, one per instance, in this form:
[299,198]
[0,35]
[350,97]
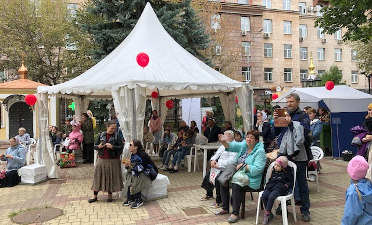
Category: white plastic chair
[318,155]
[282,199]
[149,148]
[57,154]
[189,158]
[30,151]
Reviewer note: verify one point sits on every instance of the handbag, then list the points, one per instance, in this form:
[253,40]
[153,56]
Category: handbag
[240,177]
[226,174]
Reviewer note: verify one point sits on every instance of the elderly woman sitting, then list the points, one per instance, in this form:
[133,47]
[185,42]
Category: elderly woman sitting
[15,156]
[23,137]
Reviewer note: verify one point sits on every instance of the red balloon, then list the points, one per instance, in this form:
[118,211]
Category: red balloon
[275,96]
[30,99]
[236,99]
[169,104]
[154,94]
[329,85]
[143,59]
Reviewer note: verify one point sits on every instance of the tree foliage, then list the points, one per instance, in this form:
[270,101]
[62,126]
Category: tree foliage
[334,74]
[354,15]
[110,22]
[39,30]
[364,55]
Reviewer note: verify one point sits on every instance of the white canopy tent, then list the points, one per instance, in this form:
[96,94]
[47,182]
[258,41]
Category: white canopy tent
[172,71]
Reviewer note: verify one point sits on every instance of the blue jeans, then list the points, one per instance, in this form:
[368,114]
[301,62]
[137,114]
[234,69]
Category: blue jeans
[180,154]
[303,187]
[167,155]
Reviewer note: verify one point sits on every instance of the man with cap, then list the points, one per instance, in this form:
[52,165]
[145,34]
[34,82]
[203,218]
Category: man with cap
[358,204]
[66,128]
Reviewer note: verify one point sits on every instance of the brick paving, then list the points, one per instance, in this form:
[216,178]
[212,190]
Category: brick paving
[182,207]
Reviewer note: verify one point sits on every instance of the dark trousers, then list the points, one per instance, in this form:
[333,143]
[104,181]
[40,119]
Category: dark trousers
[268,198]
[88,152]
[237,197]
[136,197]
[11,179]
[303,187]
[209,188]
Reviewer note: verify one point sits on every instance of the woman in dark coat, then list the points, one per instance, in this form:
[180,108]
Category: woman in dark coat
[263,126]
[88,141]
[107,173]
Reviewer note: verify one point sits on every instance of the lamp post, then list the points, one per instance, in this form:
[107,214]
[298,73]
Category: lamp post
[248,53]
[369,80]
[311,80]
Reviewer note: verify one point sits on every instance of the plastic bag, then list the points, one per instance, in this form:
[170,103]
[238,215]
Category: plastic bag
[240,177]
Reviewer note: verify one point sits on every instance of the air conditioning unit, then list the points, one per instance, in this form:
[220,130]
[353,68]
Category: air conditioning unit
[244,32]
[324,40]
[301,39]
[268,93]
[310,9]
[266,35]
[339,42]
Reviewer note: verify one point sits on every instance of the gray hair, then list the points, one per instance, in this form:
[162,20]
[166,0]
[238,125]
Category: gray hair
[296,96]
[230,133]
[22,129]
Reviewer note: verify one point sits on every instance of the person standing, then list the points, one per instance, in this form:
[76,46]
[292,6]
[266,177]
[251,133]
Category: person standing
[303,156]
[263,126]
[88,140]
[155,128]
[212,131]
[107,172]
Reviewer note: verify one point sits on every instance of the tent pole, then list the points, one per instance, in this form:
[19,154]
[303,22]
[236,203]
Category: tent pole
[134,119]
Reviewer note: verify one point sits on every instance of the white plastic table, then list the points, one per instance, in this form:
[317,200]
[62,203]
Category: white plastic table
[206,147]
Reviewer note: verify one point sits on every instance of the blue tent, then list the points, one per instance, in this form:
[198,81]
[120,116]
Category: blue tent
[347,105]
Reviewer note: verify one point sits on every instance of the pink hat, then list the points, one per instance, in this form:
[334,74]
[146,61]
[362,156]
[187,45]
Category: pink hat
[283,161]
[357,168]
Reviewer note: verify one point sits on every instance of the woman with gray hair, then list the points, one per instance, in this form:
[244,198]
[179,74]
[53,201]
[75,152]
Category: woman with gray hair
[23,137]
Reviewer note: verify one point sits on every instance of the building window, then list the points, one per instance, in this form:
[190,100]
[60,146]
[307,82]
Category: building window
[287,4]
[215,22]
[338,54]
[72,10]
[243,2]
[266,3]
[287,27]
[246,45]
[319,32]
[245,23]
[268,74]
[287,75]
[303,30]
[218,50]
[267,26]
[338,35]
[303,53]
[354,77]
[321,53]
[287,51]
[321,72]
[302,8]
[246,72]
[303,74]
[353,55]
[318,8]
[268,50]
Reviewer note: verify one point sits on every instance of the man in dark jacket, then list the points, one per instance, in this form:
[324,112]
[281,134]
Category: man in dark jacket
[301,159]
[88,140]
[212,131]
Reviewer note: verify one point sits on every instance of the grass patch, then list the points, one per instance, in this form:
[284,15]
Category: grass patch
[13,214]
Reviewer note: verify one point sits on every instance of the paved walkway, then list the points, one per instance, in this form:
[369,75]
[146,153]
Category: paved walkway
[182,207]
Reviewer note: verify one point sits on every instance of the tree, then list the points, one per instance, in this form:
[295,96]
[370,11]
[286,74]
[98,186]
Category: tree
[334,74]
[111,22]
[354,15]
[364,55]
[40,30]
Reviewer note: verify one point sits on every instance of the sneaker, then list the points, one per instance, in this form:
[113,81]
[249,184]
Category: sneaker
[305,218]
[205,198]
[128,202]
[137,204]
[216,205]
[266,219]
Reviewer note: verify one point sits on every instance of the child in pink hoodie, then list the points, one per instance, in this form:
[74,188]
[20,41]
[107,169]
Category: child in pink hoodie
[76,137]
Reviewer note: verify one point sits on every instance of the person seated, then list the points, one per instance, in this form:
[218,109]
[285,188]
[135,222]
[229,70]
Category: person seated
[279,184]
[238,136]
[138,175]
[15,156]
[219,161]
[212,131]
[76,137]
[184,149]
[168,153]
[168,137]
[66,128]
[147,136]
[323,115]
[23,137]
[183,126]
[194,126]
[56,137]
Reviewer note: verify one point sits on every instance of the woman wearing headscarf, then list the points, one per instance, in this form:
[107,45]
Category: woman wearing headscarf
[15,156]
[76,137]
[263,127]
[23,137]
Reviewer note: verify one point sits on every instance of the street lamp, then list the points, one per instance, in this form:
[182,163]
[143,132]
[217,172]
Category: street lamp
[249,52]
[369,80]
[311,80]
